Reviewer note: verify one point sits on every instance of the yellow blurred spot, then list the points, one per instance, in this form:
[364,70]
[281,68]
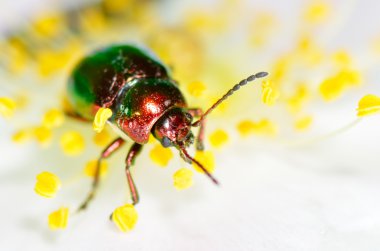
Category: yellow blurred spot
[72,143]
[183,179]
[116,6]
[125,217]
[281,67]
[308,51]
[18,56]
[93,20]
[21,99]
[160,155]
[368,105]
[317,12]
[375,44]
[342,59]
[7,107]
[101,117]
[218,138]
[58,219]
[269,93]
[53,118]
[51,61]
[264,127]
[303,123]
[196,89]
[299,98]
[179,49]
[47,185]
[205,21]
[90,168]
[102,138]
[43,135]
[49,25]
[21,136]
[262,26]
[333,87]
[207,159]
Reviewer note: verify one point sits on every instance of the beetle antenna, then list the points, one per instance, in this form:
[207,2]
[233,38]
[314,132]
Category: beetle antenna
[229,93]
[200,166]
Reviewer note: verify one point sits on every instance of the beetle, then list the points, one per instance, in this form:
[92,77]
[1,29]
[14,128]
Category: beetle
[144,100]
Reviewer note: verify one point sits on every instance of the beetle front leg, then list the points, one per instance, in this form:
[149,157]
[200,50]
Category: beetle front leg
[197,112]
[111,148]
[133,152]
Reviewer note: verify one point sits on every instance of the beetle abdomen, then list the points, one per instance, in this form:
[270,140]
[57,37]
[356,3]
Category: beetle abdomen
[98,78]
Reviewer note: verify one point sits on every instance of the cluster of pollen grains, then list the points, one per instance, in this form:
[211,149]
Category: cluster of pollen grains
[53,42]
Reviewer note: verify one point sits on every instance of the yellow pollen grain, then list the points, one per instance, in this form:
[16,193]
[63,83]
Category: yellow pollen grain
[91,165]
[334,86]
[58,219]
[207,159]
[245,127]
[43,135]
[72,143]
[342,58]
[263,127]
[101,117]
[152,139]
[368,105]
[47,185]
[125,217]
[160,155]
[22,136]
[53,118]
[7,107]
[218,138]
[317,12]
[269,93]
[183,179]
[303,123]
[196,89]
[102,138]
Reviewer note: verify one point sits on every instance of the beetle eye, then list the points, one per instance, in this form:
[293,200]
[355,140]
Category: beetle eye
[188,116]
[166,142]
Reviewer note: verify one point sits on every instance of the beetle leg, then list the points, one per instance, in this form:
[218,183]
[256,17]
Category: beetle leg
[111,148]
[197,112]
[133,152]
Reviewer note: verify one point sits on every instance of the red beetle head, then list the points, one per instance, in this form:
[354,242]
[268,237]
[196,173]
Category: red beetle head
[174,128]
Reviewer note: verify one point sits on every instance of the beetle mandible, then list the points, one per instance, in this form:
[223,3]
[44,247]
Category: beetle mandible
[144,100]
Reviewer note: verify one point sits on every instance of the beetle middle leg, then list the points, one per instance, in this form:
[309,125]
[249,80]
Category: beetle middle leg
[197,112]
[132,154]
[111,148]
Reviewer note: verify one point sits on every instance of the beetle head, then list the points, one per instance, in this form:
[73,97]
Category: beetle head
[174,128]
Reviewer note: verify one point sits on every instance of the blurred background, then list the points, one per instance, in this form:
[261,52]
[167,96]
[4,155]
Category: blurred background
[298,169]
